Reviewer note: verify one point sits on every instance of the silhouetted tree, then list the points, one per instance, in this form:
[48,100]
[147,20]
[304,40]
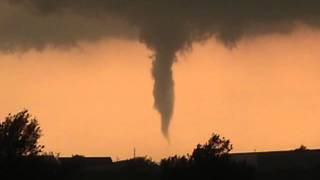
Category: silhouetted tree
[19,136]
[215,148]
[301,148]
[207,161]
[175,167]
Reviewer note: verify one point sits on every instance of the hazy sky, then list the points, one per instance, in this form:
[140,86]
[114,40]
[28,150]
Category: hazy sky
[96,99]
[165,27]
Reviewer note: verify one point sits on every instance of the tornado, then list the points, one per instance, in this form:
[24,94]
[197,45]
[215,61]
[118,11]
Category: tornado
[165,43]
[166,27]
[163,90]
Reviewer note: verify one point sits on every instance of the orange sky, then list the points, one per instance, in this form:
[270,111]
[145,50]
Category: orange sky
[96,99]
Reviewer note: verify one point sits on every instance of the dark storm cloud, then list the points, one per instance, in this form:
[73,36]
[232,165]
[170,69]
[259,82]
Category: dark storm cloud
[23,28]
[164,26]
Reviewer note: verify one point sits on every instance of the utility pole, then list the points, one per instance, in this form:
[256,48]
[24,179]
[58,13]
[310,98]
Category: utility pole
[134,153]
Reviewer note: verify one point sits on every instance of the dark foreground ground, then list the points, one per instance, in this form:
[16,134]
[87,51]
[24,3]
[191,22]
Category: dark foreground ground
[282,165]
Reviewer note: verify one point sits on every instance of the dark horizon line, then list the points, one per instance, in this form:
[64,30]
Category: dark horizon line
[231,153]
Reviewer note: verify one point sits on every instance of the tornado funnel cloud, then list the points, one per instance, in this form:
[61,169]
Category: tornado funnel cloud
[163,90]
[166,27]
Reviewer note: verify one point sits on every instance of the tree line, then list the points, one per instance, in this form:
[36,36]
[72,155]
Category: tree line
[21,156]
